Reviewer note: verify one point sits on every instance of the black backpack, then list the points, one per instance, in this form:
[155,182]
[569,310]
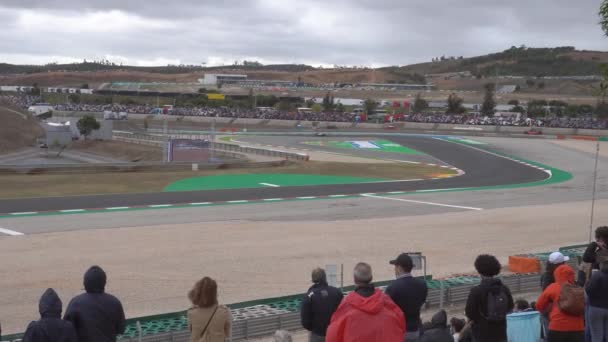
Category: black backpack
[497,305]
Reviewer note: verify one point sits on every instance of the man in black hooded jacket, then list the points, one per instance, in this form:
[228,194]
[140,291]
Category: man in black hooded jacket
[50,327]
[96,315]
[319,304]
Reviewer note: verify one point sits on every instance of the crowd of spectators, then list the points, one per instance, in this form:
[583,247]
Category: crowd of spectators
[567,310]
[587,122]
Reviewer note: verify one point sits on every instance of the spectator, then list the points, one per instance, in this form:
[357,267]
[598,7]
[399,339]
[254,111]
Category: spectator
[597,249]
[562,326]
[408,293]
[320,302]
[282,336]
[50,327]
[208,321]
[555,260]
[522,305]
[366,314]
[97,316]
[489,302]
[438,330]
[457,325]
[597,295]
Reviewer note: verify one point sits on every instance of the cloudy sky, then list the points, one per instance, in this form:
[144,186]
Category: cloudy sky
[344,32]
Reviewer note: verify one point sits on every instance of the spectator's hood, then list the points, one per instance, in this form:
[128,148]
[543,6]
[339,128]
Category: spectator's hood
[95,280]
[564,274]
[440,319]
[372,304]
[50,305]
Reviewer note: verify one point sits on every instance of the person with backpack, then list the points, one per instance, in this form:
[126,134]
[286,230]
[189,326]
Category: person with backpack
[50,327]
[597,297]
[566,302]
[555,260]
[489,302]
[319,304]
[207,320]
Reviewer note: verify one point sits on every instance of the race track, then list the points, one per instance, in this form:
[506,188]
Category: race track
[481,168]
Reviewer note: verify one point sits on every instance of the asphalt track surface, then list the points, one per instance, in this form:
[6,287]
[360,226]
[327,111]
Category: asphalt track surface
[482,169]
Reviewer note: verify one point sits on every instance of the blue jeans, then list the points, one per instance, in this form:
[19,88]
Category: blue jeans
[412,336]
[597,321]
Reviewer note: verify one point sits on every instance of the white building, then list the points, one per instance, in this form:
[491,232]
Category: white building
[215,79]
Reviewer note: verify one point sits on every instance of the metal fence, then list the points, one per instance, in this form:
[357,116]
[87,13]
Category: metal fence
[154,139]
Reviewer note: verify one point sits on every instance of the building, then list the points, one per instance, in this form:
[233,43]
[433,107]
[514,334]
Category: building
[394,86]
[215,79]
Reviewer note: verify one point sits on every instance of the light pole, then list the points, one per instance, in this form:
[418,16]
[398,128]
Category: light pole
[597,155]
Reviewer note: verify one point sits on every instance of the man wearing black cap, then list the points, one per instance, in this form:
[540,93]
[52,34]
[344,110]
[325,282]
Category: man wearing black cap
[96,315]
[409,294]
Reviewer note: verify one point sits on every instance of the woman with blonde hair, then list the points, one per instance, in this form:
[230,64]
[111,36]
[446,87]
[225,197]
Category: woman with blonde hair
[208,321]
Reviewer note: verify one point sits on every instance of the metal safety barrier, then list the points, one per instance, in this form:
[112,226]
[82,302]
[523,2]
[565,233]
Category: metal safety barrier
[155,139]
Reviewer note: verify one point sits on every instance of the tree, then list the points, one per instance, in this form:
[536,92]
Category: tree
[84,86]
[514,102]
[74,98]
[604,16]
[420,104]
[541,85]
[309,103]
[340,107]
[284,105]
[537,108]
[328,102]
[530,83]
[488,105]
[518,109]
[571,110]
[455,105]
[86,125]
[369,106]
[251,99]
[316,108]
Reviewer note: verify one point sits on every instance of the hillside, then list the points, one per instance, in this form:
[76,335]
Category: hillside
[15,131]
[475,71]
[522,61]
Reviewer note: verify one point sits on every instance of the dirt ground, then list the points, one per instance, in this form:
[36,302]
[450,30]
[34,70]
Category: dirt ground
[151,268]
[16,186]
[584,146]
[18,130]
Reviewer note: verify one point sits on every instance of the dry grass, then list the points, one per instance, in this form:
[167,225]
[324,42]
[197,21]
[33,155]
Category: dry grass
[20,186]
[120,150]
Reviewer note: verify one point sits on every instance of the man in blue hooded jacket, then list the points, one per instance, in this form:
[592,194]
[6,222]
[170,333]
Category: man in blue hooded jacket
[50,327]
[96,315]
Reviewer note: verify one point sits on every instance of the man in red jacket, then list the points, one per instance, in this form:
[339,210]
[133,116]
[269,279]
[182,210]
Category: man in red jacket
[366,314]
[562,326]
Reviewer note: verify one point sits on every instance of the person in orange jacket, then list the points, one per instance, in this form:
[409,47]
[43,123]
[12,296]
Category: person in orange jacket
[366,314]
[562,326]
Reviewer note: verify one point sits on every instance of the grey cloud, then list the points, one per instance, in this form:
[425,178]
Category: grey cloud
[332,32]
